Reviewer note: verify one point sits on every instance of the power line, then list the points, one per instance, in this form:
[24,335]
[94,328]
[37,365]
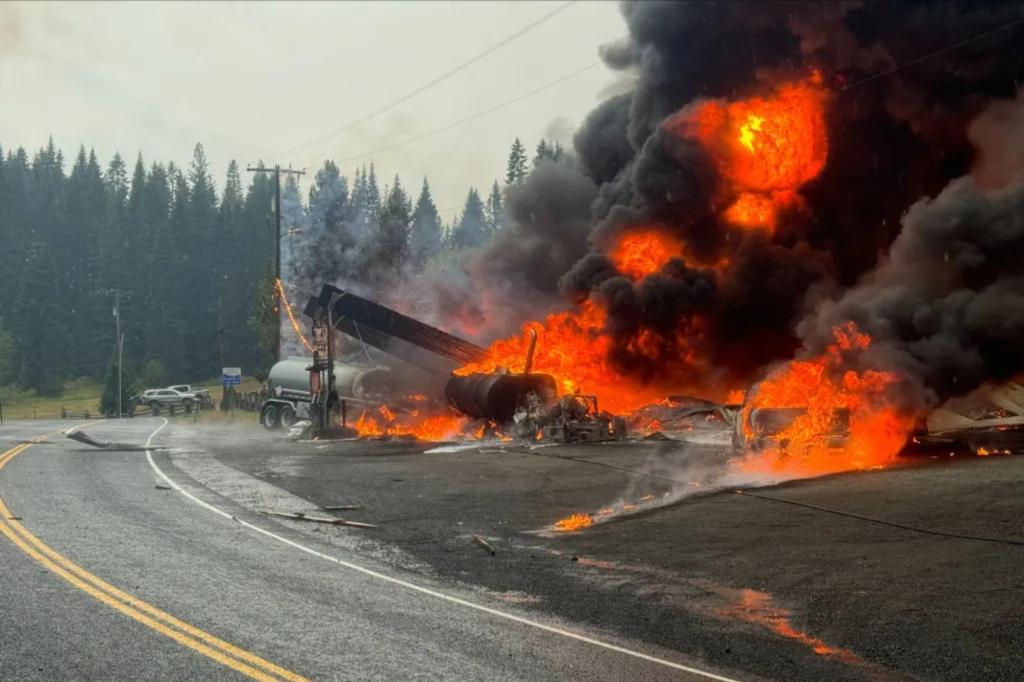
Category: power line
[426,86]
[475,116]
[926,57]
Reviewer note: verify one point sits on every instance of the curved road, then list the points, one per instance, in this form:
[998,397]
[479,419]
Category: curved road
[113,571]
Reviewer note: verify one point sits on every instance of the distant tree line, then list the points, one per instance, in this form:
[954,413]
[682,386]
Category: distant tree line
[183,260]
[193,267]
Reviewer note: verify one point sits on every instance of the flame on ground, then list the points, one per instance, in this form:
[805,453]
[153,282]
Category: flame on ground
[383,421]
[818,440]
[574,523]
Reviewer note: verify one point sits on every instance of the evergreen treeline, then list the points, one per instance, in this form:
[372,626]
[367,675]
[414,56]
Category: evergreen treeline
[185,260]
[194,267]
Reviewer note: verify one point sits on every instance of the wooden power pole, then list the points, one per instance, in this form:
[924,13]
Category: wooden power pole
[277,171]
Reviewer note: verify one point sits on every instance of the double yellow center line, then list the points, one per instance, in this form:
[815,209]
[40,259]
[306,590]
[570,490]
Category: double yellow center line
[187,635]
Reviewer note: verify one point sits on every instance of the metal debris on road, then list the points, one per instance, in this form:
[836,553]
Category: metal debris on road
[301,516]
[163,487]
[483,543]
[83,437]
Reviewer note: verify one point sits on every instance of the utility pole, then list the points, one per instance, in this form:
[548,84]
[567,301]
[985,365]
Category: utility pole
[277,170]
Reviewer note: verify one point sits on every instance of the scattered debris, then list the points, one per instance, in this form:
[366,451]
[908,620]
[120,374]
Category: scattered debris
[483,543]
[342,507]
[163,487]
[301,516]
[83,437]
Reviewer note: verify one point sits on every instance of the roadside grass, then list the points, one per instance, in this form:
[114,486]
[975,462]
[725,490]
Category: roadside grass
[77,396]
[81,395]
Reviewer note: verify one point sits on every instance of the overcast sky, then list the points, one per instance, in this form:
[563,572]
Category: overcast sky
[251,80]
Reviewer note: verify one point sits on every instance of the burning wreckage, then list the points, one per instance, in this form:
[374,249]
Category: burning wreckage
[524,405]
[835,225]
[390,401]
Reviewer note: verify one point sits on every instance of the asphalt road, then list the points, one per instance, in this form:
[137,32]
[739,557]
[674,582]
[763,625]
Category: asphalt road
[110,577]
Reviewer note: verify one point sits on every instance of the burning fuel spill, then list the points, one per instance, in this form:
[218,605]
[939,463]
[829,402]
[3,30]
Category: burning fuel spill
[791,206]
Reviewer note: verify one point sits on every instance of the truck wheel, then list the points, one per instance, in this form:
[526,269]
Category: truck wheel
[270,417]
[287,416]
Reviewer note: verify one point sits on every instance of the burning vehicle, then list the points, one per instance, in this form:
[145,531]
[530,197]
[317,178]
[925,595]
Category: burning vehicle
[522,405]
[835,222]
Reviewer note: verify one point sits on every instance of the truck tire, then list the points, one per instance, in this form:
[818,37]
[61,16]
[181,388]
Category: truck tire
[270,417]
[286,416]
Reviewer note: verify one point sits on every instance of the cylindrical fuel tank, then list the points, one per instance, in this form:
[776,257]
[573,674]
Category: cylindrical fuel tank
[496,396]
[350,380]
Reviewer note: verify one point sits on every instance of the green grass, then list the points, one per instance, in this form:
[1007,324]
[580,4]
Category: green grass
[77,396]
[84,394]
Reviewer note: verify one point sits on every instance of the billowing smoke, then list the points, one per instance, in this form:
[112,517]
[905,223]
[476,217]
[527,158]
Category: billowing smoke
[547,222]
[946,305]
[737,297]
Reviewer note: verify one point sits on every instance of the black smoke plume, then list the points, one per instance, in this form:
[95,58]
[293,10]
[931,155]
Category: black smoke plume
[898,131]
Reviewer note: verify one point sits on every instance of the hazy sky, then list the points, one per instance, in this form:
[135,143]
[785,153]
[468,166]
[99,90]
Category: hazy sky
[251,80]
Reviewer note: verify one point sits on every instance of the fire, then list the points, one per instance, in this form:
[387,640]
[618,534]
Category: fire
[819,440]
[574,522]
[433,427]
[638,254]
[765,148]
[573,347]
[747,130]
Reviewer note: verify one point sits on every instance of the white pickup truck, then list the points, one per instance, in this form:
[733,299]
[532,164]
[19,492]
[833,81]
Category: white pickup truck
[201,395]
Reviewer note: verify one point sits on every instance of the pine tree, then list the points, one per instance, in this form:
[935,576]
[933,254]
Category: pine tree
[328,200]
[426,237]
[471,230]
[495,211]
[516,169]
[204,261]
[372,194]
[393,228]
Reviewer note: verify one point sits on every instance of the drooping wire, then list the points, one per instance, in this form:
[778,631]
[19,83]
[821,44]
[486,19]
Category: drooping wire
[291,315]
[475,116]
[426,86]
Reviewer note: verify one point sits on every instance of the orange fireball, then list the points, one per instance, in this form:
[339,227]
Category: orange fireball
[638,254]
[765,148]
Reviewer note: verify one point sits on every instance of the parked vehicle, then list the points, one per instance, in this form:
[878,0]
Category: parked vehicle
[167,399]
[202,396]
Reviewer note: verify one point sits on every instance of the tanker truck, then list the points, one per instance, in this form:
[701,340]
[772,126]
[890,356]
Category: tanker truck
[289,394]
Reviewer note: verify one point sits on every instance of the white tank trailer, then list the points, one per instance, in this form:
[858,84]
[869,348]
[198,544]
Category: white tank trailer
[289,396]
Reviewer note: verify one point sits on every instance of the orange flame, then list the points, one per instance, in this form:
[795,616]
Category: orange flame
[573,523]
[430,427]
[572,347]
[765,147]
[638,254]
[817,441]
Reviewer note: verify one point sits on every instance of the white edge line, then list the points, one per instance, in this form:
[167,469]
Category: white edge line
[426,590]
